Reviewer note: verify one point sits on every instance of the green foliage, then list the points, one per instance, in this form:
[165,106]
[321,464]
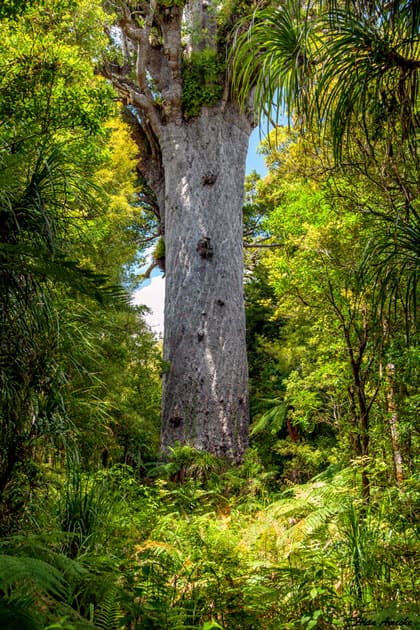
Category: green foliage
[278,566]
[84,504]
[185,462]
[264,326]
[111,538]
[159,254]
[274,56]
[109,615]
[273,419]
[338,327]
[382,44]
[67,197]
[15,570]
[110,235]
[348,75]
[159,251]
[202,81]
[234,560]
[335,66]
[34,581]
[172,3]
[12,8]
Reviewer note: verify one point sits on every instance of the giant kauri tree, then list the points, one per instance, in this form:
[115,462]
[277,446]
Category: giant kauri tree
[169,67]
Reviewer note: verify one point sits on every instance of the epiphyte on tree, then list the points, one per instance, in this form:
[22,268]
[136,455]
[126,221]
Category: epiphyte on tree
[159,254]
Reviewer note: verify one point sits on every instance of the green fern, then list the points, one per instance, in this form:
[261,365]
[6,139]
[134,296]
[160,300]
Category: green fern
[271,420]
[109,615]
[24,582]
[35,573]
[15,616]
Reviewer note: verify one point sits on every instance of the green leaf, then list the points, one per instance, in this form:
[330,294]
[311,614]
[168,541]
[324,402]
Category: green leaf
[211,625]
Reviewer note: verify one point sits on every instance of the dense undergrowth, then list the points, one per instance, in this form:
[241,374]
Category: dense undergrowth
[197,544]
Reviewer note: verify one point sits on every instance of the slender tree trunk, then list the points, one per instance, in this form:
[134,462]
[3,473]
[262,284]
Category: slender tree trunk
[359,405]
[355,442]
[205,394]
[392,406]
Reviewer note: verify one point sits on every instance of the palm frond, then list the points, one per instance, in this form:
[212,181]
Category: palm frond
[391,265]
[58,269]
[273,59]
[377,63]
[351,64]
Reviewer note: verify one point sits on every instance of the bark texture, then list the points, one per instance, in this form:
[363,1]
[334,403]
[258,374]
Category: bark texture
[205,399]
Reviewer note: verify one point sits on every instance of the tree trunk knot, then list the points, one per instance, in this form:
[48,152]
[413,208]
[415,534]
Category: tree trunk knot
[176,421]
[204,248]
[209,179]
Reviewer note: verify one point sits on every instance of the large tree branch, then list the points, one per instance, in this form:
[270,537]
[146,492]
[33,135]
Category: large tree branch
[155,36]
[170,20]
[129,91]
[260,245]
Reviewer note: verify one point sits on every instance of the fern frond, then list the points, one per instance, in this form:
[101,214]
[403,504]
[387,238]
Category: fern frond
[39,548]
[14,616]
[160,549]
[271,420]
[313,509]
[109,614]
[16,571]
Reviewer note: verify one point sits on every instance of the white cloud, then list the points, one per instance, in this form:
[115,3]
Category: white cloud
[153,296]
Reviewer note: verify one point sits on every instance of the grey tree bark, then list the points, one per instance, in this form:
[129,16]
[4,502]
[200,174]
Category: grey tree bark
[196,168]
[205,394]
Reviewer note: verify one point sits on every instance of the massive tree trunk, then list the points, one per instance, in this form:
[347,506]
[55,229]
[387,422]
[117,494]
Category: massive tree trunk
[195,163]
[205,401]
